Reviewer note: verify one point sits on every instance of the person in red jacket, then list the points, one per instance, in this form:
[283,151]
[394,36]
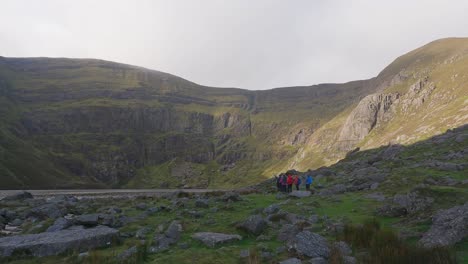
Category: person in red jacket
[290,182]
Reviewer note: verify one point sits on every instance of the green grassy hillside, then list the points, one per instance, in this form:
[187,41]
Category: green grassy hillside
[85,122]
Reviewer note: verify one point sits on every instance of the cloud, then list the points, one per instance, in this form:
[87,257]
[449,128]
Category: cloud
[250,44]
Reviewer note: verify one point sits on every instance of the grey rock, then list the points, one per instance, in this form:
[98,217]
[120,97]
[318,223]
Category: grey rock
[391,211]
[54,243]
[161,243]
[201,203]
[87,219]
[374,186]
[114,210]
[271,209]
[231,197]
[184,246]
[245,253]
[318,260]
[448,227]
[288,232]
[141,206]
[255,225]
[214,239]
[18,196]
[343,248]
[349,260]
[152,210]
[128,253]
[300,194]
[376,196]
[48,210]
[291,261]
[60,224]
[310,244]
[174,231]
[412,202]
[142,232]
[17,222]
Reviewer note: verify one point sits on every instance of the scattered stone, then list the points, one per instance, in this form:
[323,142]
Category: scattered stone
[49,210]
[142,232]
[255,225]
[184,245]
[349,260]
[318,260]
[271,209]
[59,224]
[376,196]
[17,222]
[214,239]
[288,232]
[152,210]
[54,243]
[391,211]
[87,219]
[128,253]
[448,227]
[174,231]
[141,206]
[343,248]
[231,197]
[412,202]
[310,244]
[300,194]
[114,210]
[245,253]
[201,203]
[291,261]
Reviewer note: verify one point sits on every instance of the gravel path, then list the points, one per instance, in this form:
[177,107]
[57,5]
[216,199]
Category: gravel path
[106,193]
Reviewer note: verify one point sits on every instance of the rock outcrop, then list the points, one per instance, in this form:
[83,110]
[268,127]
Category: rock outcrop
[54,243]
[371,111]
[214,239]
[448,227]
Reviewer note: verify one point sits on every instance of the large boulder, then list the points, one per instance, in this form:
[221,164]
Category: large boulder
[54,243]
[448,227]
[214,239]
[171,236]
[310,244]
[255,225]
[48,210]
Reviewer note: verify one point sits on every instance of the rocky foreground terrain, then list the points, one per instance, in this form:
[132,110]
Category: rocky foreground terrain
[395,204]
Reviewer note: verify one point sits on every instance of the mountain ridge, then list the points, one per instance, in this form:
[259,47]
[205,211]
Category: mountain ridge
[99,123]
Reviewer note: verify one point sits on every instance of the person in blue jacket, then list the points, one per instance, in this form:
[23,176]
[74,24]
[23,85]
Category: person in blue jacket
[308,182]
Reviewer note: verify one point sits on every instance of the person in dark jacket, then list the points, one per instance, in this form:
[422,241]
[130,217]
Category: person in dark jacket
[278,183]
[309,181]
[297,182]
[284,184]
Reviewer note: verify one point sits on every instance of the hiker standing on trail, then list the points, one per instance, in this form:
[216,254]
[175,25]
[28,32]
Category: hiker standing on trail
[284,184]
[290,181]
[278,182]
[297,182]
[309,181]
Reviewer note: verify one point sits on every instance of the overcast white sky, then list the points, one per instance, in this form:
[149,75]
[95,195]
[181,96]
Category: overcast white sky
[253,44]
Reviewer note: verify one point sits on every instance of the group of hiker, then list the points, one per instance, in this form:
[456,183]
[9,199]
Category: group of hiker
[285,182]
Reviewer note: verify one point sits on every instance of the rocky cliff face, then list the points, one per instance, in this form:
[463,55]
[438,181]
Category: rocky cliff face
[370,112]
[91,122]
